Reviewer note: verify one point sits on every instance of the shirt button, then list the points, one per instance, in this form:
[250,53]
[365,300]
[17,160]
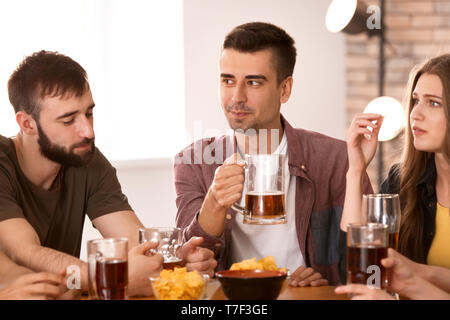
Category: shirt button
[303,167]
[430,204]
[228,216]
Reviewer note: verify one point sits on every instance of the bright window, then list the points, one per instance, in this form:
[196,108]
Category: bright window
[133,53]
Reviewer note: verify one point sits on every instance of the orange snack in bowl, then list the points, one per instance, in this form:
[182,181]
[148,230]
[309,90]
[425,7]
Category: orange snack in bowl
[266,263]
[178,284]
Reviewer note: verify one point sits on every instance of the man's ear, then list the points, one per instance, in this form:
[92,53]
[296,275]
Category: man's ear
[286,89]
[26,123]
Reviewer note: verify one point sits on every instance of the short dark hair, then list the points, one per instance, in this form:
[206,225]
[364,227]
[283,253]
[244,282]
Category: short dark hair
[41,74]
[256,36]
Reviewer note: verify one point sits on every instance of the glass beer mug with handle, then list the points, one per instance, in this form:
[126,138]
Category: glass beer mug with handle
[263,190]
[108,269]
[170,241]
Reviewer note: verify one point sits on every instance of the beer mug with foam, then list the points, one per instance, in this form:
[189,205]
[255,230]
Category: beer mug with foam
[263,190]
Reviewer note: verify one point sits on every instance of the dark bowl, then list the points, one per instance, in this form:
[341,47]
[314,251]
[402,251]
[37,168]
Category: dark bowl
[251,284]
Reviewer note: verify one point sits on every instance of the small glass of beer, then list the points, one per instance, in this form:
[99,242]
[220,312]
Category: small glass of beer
[170,241]
[367,245]
[263,190]
[108,269]
[383,208]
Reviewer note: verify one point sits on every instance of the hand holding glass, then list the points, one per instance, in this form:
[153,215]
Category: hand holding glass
[170,241]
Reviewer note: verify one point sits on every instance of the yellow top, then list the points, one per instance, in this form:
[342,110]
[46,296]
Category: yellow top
[439,254]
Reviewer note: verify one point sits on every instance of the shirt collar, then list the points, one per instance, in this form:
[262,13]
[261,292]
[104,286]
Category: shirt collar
[295,153]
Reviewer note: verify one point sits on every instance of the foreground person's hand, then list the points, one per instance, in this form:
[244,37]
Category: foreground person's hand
[363,292]
[406,281]
[403,280]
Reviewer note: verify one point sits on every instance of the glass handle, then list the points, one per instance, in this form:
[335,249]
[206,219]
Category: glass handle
[239,209]
[235,206]
[92,285]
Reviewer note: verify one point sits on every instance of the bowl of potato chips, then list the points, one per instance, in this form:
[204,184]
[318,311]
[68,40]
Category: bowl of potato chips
[253,280]
[179,284]
[266,263]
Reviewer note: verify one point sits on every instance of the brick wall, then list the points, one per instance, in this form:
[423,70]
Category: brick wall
[415,30]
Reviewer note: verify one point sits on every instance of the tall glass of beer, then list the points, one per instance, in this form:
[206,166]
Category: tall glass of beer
[367,245]
[383,208]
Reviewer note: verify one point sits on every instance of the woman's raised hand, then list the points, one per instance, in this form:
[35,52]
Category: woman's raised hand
[362,142]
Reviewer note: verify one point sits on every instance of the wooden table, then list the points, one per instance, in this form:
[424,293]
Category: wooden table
[287,293]
[297,293]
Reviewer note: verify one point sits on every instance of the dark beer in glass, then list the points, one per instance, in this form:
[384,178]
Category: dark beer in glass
[111,277]
[367,245]
[108,269]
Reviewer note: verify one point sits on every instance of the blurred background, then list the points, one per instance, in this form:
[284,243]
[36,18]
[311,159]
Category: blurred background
[153,71]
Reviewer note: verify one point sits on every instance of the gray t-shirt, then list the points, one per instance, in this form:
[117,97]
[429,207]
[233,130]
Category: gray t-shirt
[57,215]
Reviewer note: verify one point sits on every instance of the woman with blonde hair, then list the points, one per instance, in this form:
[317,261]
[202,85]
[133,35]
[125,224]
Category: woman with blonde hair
[422,178]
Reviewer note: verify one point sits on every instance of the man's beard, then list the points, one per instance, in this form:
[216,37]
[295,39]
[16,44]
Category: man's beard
[238,124]
[59,154]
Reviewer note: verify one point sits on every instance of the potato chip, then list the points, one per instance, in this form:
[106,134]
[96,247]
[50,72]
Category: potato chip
[266,263]
[178,284]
